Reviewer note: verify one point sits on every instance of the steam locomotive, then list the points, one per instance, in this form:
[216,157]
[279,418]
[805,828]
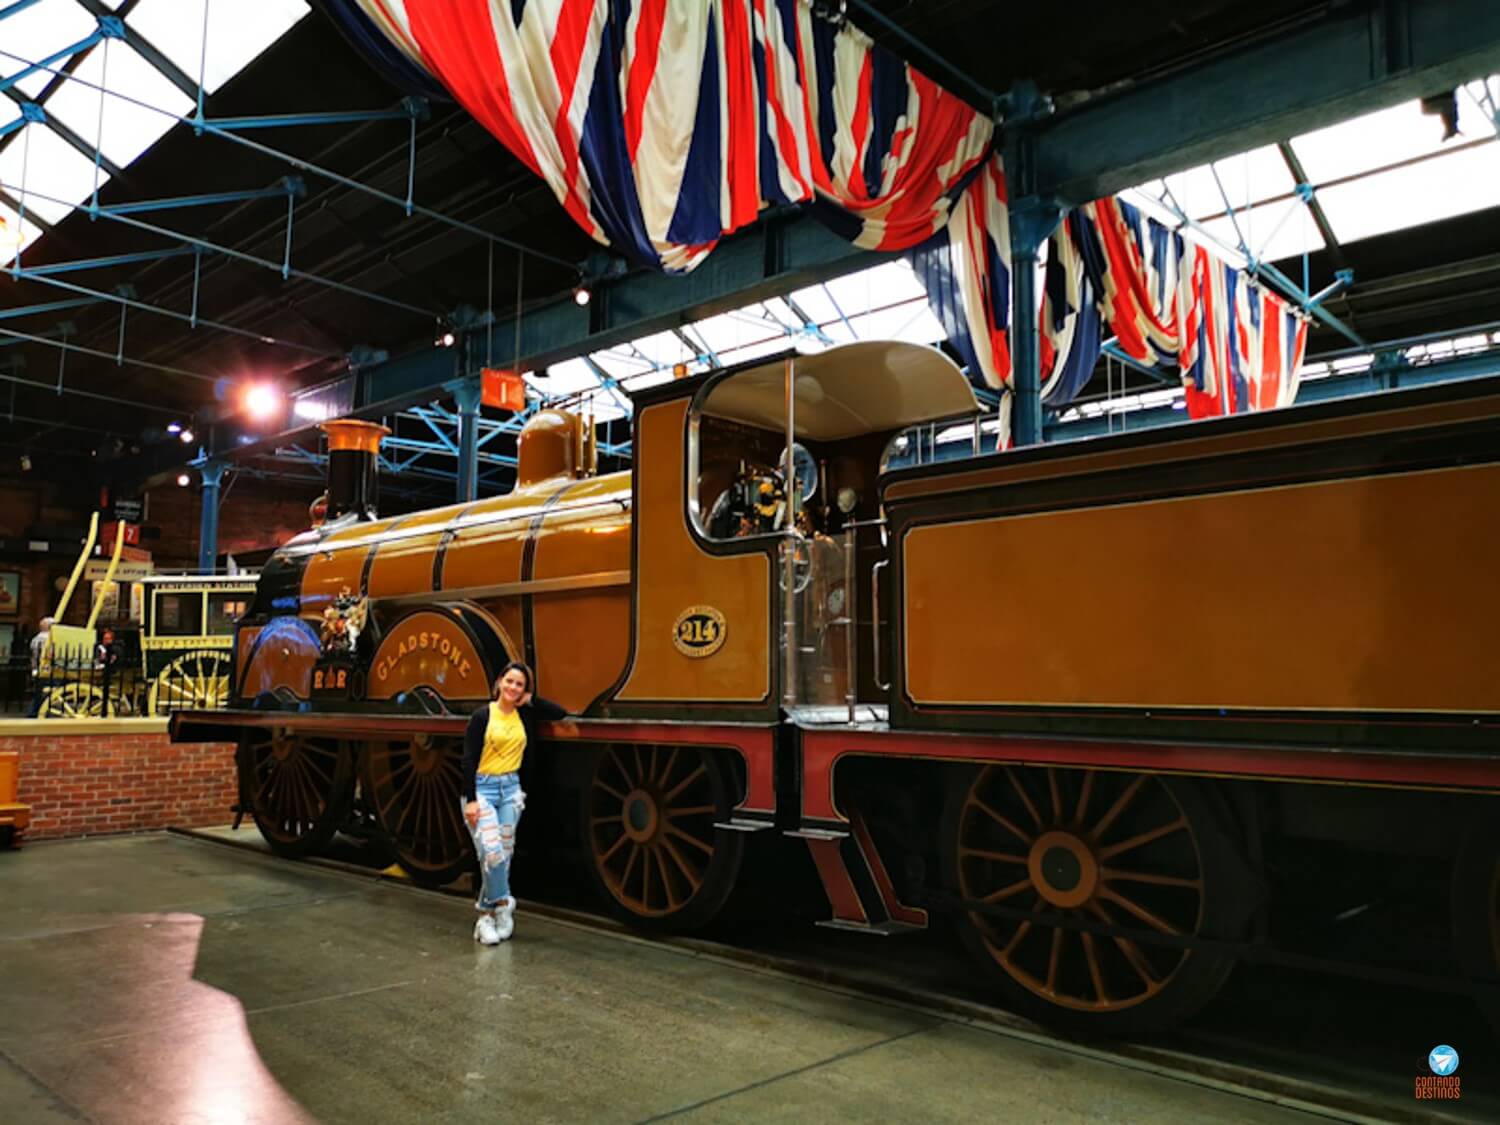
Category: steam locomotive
[1076,696]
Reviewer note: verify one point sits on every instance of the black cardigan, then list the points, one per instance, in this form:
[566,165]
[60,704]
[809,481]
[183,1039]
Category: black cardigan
[536,711]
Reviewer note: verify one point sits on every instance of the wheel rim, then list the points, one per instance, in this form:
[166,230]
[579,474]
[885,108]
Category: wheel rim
[197,681]
[1095,847]
[413,788]
[293,783]
[651,826]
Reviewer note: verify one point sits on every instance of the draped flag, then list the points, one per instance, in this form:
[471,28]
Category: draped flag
[663,125]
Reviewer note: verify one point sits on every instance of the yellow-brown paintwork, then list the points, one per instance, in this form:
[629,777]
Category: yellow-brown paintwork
[583,636]
[353,434]
[428,648]
[674,572]
[1184,449]
[1339,595]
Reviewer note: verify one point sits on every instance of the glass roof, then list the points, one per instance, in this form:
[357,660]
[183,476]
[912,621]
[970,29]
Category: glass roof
[51,163]
[1374,174]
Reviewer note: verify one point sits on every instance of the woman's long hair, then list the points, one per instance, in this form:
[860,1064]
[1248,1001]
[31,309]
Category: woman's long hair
[513,666]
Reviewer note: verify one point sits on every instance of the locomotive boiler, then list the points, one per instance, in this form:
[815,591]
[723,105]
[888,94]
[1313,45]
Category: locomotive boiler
[1075,695]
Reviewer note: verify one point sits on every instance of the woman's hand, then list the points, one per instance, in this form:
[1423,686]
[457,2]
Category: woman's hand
[524,700]
[471,814]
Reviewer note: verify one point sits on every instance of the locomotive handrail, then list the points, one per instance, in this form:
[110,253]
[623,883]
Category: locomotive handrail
[875,655]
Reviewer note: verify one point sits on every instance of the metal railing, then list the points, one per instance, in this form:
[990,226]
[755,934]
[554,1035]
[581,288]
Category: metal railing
[74,687]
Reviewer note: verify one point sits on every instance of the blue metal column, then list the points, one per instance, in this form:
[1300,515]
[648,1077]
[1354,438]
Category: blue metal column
[466,398]
[1032,220]
[208,529]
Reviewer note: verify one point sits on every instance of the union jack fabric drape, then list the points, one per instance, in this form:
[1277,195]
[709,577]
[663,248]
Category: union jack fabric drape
[663,125]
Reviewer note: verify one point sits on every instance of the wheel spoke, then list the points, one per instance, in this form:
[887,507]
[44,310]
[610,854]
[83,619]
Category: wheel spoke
[1005,823]
[1083,797]
[1119,806]
[1137,841]
[1095,973]
[1053,959]
[666,770]
[669,797]
[671,849]
[619,765]
[998,857]
[696,810]
[673,830]
[1139,911]
[1133,955]
[666,878]
[1056,796]
[1108,873]
[616,846]
[635,854]
[1015,783]
[1007,892]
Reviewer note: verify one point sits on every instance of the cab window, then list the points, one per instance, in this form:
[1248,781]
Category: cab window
[223,611]
[179,615]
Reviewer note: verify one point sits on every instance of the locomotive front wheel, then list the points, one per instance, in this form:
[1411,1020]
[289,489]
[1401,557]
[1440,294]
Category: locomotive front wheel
[648,826]
[297,787]
[1115,849]
[413,788]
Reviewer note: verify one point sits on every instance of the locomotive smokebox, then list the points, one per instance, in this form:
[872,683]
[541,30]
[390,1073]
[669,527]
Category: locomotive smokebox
[352,447]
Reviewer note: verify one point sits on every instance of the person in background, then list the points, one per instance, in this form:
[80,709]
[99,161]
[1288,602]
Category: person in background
[38,656]
[494,745]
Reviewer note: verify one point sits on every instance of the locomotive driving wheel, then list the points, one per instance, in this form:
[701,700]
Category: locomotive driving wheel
[414,789]
[1131,851]
[648,824]
[297,786]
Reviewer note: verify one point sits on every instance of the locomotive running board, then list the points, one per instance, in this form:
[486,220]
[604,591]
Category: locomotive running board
[855,880]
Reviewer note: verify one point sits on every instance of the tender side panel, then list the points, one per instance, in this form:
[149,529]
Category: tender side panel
[581,612]
[1365,594]
[675,573]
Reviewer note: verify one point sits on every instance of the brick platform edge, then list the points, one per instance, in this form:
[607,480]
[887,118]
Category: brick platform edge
[87,777]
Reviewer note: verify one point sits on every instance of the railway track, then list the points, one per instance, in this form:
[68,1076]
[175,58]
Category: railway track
[1331,1048]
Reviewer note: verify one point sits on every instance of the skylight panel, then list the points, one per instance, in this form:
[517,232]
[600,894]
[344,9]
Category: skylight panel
[815,303]
[1455,183]
[1282,229]
[911,322]
[238,31]
[129,129]
[37,33]
[565,378]
[58,174]
[1375,140]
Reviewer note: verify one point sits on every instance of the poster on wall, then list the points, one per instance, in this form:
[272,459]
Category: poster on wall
[7,639]
[10,593]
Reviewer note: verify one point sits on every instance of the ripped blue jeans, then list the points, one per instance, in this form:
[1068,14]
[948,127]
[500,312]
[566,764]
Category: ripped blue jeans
[500,803]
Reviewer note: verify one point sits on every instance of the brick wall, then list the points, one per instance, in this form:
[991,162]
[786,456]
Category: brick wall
[88,778]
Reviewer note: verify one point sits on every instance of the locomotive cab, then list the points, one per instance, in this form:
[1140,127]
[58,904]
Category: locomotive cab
[764,570]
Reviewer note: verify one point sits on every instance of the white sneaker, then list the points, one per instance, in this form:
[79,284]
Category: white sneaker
[505,920]
[486,932]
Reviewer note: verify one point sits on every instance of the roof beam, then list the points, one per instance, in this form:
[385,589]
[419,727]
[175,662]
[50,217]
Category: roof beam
[1353,60]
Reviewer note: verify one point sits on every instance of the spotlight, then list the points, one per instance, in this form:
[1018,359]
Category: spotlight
[25,463]
[446,340]
[581,295]
[261,401]
[174,427]
[186,436]
[183,480]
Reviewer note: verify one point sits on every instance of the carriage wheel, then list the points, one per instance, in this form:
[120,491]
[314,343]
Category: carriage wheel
[414,790]
[648,820]
[195,681]
[297,786]
[1119,849]
[73,701]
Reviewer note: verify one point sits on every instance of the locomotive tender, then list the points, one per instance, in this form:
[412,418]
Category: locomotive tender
[1072,693]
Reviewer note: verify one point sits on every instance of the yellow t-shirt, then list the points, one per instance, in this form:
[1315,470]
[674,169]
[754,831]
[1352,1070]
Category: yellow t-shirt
[504,742]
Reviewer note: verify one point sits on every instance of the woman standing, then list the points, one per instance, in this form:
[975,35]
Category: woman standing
[494,745]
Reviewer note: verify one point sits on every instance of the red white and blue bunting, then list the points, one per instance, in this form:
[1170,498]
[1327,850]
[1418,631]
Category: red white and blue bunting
[663,126]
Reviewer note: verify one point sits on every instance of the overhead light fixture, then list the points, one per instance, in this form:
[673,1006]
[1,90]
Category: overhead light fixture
[446,340]
[581,295]
[187,437]
[183,480]
[262,401]
[174,427]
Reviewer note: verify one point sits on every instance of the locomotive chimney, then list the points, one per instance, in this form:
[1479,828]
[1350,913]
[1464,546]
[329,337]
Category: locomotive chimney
[352,446]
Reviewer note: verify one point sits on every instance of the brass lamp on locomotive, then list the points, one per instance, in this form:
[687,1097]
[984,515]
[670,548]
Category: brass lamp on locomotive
[1067,692]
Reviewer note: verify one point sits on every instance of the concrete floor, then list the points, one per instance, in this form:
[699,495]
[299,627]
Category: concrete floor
[162,980]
